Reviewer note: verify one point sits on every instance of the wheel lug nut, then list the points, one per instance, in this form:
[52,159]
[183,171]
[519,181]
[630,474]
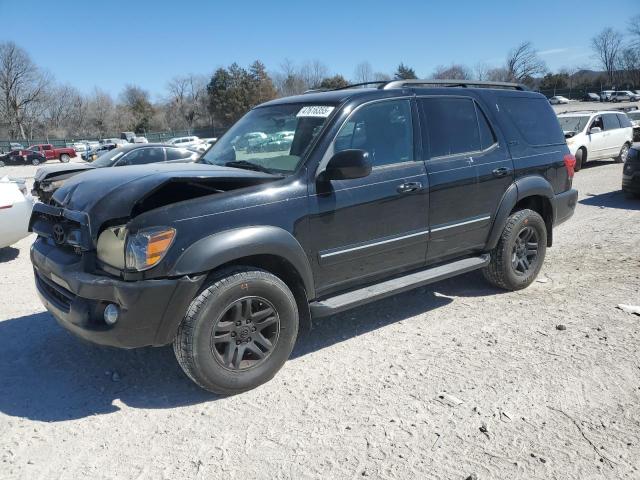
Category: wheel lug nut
[248,320]
[253,329]
[238,324]
[249,339]
[233,334]
[237,342]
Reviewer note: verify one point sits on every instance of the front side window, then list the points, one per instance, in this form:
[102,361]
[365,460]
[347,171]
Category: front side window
[273,138]
[179,153]
[384,129]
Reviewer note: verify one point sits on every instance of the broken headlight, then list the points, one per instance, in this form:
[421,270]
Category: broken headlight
[111,243]
[147,247]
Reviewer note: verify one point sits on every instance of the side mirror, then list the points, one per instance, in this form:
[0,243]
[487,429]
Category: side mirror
[595,130]
[347,165]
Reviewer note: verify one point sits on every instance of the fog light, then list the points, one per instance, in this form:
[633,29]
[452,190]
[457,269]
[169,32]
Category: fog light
[111,313]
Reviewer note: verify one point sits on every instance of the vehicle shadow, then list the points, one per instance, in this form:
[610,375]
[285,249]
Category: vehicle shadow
[8,253]
[617,199]
[46,374]
[596,163]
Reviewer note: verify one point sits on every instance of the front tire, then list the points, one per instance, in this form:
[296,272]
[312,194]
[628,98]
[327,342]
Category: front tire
[581,159]
[238,332]
[624,151]
[518,257]
[64,158]
[35,161]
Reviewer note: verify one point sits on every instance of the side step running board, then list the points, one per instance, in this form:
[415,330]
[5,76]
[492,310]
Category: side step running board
[355,298]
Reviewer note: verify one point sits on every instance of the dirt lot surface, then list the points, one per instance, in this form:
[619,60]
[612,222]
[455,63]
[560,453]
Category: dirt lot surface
[539,384]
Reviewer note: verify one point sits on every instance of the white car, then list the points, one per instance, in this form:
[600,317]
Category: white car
[15,210]
[605,95]
[597,135]
[558,100]
[184,141]
[140,140]
[205,143]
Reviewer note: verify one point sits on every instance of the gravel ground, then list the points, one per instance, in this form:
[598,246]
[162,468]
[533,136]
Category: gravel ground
[522,397]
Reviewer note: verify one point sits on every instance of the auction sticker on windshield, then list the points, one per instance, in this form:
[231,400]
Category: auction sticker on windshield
[322,111]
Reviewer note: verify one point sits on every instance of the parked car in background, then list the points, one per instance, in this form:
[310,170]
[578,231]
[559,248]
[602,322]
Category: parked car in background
[15,211]
[116,141]
[597,135]
[26,157]
[128,136]
[140,140]
[205,143]
[188,141]
[558,100]
[591,97]
[48,179]
[605,95]
[634,117]
[631,172]
[95,153]
[623,96]
[64,154]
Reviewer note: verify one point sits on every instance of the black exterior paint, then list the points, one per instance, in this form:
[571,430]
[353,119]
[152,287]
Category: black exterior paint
[336,235]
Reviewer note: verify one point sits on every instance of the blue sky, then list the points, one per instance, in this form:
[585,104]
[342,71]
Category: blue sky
[111,43]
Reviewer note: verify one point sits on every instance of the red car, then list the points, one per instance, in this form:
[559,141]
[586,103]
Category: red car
[63,154]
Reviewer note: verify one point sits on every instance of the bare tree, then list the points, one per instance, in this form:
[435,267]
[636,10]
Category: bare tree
[312,73]
[100,113]
[64,111]
[634,30]
[629,64]
[523,63]
[22,86]
[452,72]
[606,46]
[480,71]
[363,73]
[288,81]
[185,95]
[381,77]
[498,74]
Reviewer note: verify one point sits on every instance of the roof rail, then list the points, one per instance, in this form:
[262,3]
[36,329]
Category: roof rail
[453,83]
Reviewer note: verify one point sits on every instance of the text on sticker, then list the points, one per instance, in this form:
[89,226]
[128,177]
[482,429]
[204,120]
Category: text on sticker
[315,111]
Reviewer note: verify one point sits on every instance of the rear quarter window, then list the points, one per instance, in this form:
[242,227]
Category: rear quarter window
[534,118]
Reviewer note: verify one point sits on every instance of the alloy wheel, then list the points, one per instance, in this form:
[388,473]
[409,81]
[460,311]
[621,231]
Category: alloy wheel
[245,334]
[525,251]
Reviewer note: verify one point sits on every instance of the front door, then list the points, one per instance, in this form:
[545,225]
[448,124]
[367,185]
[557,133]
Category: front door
[597,140]
[469,171]
[376,225]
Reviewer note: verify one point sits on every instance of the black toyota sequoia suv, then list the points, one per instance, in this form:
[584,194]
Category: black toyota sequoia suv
[307,206]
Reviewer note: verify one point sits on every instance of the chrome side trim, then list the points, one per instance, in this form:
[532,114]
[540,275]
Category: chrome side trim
[373,244]
[467,222]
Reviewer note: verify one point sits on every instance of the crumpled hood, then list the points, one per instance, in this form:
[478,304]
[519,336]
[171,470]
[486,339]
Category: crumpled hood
[50,171]
[113,193]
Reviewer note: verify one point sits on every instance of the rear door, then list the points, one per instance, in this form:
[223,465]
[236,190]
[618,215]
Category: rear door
[469,171]
[613,134]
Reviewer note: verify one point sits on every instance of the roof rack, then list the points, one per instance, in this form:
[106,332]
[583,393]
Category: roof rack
[351,85]
[453,83]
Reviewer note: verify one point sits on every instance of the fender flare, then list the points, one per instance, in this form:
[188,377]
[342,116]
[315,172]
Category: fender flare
[214,250]
[521,188]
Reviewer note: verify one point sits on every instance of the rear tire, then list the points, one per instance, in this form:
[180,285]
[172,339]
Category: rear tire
[238,331]
[519,255]
[622,156]
[64,158]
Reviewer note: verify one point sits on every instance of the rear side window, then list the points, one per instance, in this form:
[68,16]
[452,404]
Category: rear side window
[624,120]
[178,153]
[534,118]
[452,126]
[610,121]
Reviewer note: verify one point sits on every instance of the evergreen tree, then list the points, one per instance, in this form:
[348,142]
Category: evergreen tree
[405,73]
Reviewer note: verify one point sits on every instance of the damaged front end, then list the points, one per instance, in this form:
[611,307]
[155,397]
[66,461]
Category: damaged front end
[94,255]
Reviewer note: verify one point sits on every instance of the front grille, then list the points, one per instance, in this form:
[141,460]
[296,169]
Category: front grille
[59,296]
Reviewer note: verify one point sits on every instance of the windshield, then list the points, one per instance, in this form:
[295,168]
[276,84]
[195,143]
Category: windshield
[109,158]
[634,115]
[573,124]
[273,139]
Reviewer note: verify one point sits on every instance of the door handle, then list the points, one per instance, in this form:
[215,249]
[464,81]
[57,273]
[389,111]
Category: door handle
[409,187]
[501,172]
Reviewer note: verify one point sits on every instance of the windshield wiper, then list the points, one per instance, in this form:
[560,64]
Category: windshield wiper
[248,166]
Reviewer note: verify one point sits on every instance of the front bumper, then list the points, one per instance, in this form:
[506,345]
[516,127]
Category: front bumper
[565,206]
[150,310]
